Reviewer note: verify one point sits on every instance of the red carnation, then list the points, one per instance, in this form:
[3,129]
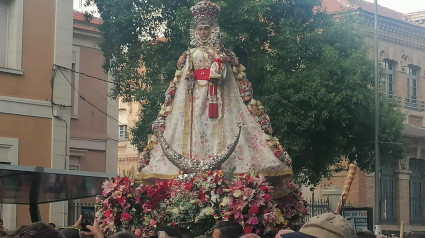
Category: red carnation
[247,229]
[263,188]
[253,210]
[125,216]
[121,200]
[151,192]
[108,213]
[188,186]
[267,197]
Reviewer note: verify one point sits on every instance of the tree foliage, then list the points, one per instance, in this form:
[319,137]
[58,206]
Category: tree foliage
[312,73]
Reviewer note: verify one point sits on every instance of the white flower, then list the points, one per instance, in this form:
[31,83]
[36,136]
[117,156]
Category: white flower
[225,202]
[237,193]
[214,197]
[175,210]
[208,210]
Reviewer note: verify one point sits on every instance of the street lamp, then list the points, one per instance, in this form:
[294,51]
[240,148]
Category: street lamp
[377,164]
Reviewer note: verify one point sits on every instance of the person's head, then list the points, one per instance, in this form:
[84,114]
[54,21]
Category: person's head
[416,235]
[172,232]
[250,236]
[123,234]
[327,225]
[204,31]
[185,232]
[228,229]
[52,225]
[365,234]
[70,232]
[35,230]
[2,234]
[1,224]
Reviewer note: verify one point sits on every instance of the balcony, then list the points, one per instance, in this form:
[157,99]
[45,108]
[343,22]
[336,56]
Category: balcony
[396,99]
[415,105]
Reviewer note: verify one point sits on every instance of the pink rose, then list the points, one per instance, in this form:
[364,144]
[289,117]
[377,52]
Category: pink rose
[152,222]
[277,153]
[138,232]
[125,216]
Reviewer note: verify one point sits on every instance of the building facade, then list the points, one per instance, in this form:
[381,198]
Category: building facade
[37,104]
[127,153]
[402,58]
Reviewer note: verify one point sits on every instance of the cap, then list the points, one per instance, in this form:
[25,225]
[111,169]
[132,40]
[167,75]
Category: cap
[329,225]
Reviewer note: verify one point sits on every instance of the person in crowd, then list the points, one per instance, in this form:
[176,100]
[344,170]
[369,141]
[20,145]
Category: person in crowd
[416,235]
[250,236]
[185,232]
[228,229]
[35,230]
[327,225]
[70,232]
[52,225]
[171,232]
[2,228]
[2,234]
[123,234]
[281,232]
[365,234]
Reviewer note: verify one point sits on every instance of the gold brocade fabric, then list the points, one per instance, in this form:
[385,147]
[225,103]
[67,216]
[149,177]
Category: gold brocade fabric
[190,131]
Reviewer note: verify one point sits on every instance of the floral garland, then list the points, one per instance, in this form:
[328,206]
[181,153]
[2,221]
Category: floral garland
[245,89]
[198,203]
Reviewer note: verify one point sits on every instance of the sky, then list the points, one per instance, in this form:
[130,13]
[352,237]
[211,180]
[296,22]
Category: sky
[404,6]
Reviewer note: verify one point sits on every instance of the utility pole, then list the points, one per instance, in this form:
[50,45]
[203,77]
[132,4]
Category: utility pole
[377,162]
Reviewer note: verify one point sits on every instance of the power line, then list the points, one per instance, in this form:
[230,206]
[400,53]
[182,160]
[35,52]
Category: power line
[83,98]
[106,100]
[93,77]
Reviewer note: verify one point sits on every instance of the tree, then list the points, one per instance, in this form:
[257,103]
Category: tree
[312,72]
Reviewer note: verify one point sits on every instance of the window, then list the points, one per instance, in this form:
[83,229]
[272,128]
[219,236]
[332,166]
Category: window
[123,132]
[4,9]
[11,24]
[389,78]
[416,195]
[412,89]
[388,196]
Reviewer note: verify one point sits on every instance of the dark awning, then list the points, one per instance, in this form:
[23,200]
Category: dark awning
[37,185]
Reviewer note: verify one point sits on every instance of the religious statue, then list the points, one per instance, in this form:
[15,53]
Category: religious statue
[209,119]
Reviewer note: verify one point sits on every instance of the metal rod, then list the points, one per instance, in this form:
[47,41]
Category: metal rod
[377,162]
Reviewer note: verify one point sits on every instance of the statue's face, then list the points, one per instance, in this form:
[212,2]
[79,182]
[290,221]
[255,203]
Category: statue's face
[204,31]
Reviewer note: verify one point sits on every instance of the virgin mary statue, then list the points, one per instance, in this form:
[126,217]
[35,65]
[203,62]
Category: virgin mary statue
[209,119]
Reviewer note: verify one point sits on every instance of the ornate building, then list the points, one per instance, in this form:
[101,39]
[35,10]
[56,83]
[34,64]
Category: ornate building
[402,57]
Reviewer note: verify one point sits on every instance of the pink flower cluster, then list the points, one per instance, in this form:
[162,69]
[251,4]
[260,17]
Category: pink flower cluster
[198,203]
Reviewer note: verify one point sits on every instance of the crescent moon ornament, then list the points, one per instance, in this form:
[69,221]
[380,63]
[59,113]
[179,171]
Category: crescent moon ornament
[192,166]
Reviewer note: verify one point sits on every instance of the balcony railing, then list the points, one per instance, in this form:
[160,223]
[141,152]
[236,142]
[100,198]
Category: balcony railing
[396,99]
[414,104]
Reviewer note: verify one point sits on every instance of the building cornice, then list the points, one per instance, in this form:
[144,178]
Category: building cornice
[395,31]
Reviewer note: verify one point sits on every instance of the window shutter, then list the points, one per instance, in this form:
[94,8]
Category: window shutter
[3,31]
[409,88]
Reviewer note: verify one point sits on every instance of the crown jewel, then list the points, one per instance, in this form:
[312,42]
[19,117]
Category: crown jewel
[205,12]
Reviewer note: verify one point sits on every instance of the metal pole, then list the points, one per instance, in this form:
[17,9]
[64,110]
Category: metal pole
[377,164]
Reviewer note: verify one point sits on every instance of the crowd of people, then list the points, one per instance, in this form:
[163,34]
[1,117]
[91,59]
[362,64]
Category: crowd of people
[327,225]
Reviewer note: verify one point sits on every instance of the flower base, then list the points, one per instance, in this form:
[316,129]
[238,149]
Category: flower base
[198,202]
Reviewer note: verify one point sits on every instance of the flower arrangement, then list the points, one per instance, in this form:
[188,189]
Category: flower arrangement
[198,202]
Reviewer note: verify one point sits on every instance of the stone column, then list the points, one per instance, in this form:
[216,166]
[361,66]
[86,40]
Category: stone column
[333,194]
[402,195]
